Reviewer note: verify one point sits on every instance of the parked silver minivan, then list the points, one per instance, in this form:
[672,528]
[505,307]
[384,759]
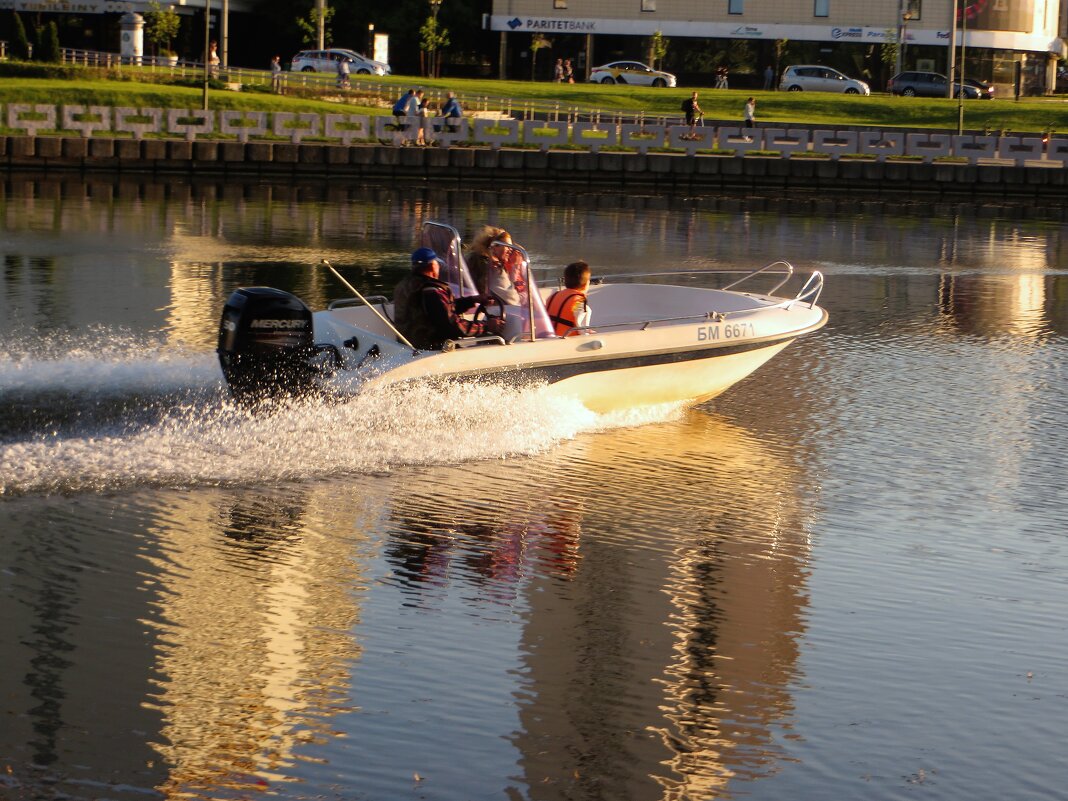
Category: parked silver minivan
[327,60]
[815,78]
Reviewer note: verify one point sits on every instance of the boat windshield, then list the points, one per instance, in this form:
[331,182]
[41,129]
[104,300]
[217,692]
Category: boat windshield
[445,241]
[530,304]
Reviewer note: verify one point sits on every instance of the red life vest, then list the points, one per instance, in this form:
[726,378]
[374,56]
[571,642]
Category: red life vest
[561,309]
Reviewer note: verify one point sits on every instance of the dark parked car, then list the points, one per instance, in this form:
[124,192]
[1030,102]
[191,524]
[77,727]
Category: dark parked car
[927,84]
[986,90]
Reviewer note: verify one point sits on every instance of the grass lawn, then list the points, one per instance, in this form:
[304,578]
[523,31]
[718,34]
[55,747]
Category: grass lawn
[152,95]
[1030,114]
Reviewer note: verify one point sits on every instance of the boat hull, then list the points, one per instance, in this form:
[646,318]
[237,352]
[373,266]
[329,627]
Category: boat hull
[691,381]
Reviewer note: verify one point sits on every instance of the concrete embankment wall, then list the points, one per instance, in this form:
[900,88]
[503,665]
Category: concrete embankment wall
[661,172]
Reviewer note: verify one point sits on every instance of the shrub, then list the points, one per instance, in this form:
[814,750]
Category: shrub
[16,69]
[198,83]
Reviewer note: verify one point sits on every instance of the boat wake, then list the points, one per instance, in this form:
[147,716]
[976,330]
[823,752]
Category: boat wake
[94,420]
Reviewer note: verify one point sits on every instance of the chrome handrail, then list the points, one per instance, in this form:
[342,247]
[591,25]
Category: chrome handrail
[747,274]
[342,303]
[469,342]
[789,273]
[808,291]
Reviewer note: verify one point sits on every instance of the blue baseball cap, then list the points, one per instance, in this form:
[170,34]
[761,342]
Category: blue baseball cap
[424,256]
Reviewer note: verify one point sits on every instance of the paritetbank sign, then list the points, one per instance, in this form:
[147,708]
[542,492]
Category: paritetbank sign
[546,25]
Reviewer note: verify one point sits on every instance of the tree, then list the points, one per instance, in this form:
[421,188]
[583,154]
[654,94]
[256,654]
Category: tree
[21,48]
[309,26]
[536,44]
[889,50]
[50,51]
[432,37]
[658,47]
[780,50]
[161,26]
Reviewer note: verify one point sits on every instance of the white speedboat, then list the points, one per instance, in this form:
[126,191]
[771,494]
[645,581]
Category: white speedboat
[648,343]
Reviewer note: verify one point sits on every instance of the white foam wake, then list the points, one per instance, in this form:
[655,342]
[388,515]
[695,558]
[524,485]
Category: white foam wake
[101,361]
[221,444]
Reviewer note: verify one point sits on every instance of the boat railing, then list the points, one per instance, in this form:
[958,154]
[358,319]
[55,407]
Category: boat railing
[343,303]
[811,290]
[784,268]
[787,272]
[470,342]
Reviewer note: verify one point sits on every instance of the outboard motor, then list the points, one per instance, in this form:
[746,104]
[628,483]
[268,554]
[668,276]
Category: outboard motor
[266,344]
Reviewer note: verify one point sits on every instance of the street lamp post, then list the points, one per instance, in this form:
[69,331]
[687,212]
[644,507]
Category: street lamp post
[207,50]
[435,6]
[903,37]
[960,94]
[952,50]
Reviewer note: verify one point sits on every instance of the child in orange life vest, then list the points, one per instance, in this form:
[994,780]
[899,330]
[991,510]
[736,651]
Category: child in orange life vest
[567,307]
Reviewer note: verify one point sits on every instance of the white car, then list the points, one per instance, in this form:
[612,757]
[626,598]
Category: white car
[813,78]
[327,61]
[631,72]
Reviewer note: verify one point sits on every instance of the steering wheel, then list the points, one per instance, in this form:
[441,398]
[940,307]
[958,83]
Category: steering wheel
[481,311]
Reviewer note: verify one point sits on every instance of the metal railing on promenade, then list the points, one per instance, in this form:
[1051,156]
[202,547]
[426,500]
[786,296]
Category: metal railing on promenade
[364,91]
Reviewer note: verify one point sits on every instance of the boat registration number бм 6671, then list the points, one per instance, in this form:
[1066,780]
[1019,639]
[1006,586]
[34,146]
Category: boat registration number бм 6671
[713,333]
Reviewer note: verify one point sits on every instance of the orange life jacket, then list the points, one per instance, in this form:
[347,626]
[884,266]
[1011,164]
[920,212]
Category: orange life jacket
[561,309]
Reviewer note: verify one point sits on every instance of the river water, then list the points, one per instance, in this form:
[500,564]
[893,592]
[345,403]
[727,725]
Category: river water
[845,578]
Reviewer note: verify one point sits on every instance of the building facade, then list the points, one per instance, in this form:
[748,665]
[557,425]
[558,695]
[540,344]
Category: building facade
[997,34]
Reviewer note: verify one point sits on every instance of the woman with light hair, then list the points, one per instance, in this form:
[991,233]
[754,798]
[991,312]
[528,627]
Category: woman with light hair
[496,270]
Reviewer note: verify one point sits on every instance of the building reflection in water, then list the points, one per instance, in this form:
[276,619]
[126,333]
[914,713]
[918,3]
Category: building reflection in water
[255,638]
[657,651]
[1026,306]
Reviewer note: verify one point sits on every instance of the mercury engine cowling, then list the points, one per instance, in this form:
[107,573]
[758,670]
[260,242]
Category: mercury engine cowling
[266,345]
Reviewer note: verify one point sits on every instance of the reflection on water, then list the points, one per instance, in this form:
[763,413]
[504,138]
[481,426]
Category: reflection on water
[234,716]
[241,615]
[843,578]
[1028,306]
[687,605]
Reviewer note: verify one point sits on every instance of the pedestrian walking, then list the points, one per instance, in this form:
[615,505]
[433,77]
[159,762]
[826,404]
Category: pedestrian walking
[276,75]
[343,73]
[749,118]
[769,77]
[558,71]
[569,72]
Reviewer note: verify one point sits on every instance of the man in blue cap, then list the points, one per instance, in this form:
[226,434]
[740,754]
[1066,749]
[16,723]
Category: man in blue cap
[425,310]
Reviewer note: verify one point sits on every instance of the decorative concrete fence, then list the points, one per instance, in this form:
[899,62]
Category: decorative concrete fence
[347,129]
